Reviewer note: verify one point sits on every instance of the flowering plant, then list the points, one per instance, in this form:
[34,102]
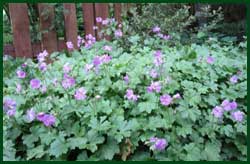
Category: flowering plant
[104,103]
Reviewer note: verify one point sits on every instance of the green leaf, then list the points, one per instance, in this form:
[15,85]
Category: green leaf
[109,149]
[36,152]
[58,147]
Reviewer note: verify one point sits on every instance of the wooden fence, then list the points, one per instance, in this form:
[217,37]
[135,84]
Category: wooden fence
[22,46]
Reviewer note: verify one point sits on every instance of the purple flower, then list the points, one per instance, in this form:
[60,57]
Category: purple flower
[69,45]
[43,66]
[107,48]
[97,60]
[158,60]
[105,58]
[21,74]
[47,119]
[233,105]
[126,79]
[166,99]
[130,95]
[98,19]
[18,88]
[160,35]
[41,56]
[9,106]
[30,115]
[118,33]
[55,82]
[24,65]
[80,94]
[234,79]
[160,144]
[217,112]
[68,81]
[177,96]
[153,73]
[43,89]
[237,116]
[227,105]
[155,86]
[210,59]
[95,27]
[35,83]
[156,29]
[66,68]
[105,22]
[79,41]
[166,37]
[88,67]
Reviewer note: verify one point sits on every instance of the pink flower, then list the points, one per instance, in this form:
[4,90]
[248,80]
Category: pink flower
[153,73]
[105,22]
[68,81]
[210,59]
[98,19]
[234,79]
[35,83]
[118,33]
[126,79]
[130,95]
[237,116]
[107,48]
[70,45]
[80,94]
[177,96]
[166,99]
[156,29]
[217,112]
[66,68]
[155,86]
[105,58]
[21,74]
[88,67]
[41,56]
[18,88]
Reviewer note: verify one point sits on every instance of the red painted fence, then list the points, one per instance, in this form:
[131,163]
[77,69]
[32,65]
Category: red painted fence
[22,46]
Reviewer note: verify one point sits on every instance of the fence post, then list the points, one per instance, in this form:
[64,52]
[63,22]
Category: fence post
[101,10]
[20,26]
[49,36]
[70,23]
[88,18]
[118,12]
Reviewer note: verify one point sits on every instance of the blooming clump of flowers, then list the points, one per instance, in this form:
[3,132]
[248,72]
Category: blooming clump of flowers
[130,95]
[47,119]
[227,106]
[158,144]
[35,83]
[154,86]
[68,81]
[90,40]
[80,94]
[9,106]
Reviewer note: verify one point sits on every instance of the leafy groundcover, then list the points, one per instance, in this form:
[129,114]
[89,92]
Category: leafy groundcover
[103,102]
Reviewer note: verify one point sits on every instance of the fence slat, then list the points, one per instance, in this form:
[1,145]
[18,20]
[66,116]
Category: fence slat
[89,18]
[49,36]
[20,26]
[70,23]
[118,12]
[101,10]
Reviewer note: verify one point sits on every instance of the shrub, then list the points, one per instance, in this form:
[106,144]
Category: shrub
[106,103]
